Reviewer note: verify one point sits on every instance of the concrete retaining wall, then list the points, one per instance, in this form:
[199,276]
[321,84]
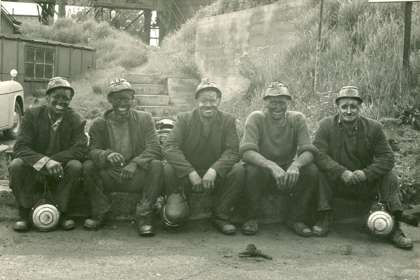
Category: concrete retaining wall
[222,40]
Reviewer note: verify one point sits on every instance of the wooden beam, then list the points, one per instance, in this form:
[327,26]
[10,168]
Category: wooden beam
[111,4]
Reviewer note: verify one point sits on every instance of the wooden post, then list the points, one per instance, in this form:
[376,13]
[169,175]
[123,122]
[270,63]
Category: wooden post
[408,7]
[318,48]
[61,8]
[1,8]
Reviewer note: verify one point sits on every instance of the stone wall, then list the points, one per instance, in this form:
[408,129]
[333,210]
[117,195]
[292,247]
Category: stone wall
[222,40]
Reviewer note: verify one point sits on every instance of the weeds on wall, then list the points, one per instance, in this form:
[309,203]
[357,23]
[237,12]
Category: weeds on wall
[176,55]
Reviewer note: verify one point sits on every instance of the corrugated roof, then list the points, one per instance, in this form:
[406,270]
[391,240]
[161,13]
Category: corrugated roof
[46,42]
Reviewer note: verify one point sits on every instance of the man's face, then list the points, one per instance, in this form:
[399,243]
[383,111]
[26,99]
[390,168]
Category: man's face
[59,100]
[276,106]
[348,109]
[121,102]
[208,102]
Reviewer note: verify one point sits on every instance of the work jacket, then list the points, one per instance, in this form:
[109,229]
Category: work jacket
[33,140]
[180,149]
[372,150]
[143,139]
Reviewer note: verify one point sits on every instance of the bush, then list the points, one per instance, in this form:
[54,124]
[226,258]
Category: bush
[114,48]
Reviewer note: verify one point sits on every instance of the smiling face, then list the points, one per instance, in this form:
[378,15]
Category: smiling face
[58,100]
[208,102]
[276,106]
[348,109]
[121,101]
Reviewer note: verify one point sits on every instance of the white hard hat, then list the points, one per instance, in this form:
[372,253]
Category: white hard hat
[45,217]
[380,223]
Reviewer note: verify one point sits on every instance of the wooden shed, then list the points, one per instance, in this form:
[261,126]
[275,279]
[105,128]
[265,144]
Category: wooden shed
[38,60]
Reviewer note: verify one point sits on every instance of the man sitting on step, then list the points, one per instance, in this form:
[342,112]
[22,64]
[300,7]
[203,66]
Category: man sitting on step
[124,157]
[201,150]
[278,156]
[356,162]
[48,150]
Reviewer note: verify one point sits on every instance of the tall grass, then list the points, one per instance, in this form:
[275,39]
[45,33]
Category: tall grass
[114,48]
[361,45]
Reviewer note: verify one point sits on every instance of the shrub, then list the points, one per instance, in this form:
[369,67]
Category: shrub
[114,48]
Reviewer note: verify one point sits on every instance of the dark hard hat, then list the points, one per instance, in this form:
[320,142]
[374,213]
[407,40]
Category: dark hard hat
[118,85]
[176,210]
[349,92]
[276,89]
[206,84]
[58,82]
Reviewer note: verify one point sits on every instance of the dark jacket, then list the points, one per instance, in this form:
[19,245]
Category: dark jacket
[179,149]
[373,150]
[33,139]
[142,134]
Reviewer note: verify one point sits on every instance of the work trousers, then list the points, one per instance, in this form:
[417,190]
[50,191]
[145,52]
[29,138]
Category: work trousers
[225,194]
[385,190]
[259,181]
[28,184]
[99,183]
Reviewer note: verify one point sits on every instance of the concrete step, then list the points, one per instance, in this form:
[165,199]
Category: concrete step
[159,111]
[152,100]
[144,78]
[150,89]
[181,90]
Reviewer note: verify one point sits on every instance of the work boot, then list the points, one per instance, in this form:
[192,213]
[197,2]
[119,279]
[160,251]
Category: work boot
[322,225]
[250,227]
[94,223]
[144,217]
[144,225]
[23,224]
[400,240]
[300,229]
[224,226]
[66,223]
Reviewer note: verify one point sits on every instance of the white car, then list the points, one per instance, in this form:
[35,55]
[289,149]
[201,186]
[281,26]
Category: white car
[11,106]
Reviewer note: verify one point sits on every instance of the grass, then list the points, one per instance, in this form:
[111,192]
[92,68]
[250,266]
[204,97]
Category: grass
[359,47]
[114,48]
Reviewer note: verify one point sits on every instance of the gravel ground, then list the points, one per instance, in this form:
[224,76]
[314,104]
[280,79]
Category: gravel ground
[199,252]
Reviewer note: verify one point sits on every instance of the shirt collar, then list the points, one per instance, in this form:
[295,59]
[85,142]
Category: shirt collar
[353,128]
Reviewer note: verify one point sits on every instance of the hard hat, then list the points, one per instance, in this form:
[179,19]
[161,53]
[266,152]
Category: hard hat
[175,211]
[207,84]
[59,82]
[276,89]
[118,85]
[348,92]
[380,222]
[45,216]
[165,123]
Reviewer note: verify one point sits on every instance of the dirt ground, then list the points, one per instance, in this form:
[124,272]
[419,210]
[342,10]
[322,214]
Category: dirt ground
[199,252]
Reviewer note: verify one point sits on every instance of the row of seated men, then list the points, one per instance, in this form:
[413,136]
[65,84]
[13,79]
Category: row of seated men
[349,157]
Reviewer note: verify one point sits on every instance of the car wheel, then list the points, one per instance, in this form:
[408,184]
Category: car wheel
[17,122]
